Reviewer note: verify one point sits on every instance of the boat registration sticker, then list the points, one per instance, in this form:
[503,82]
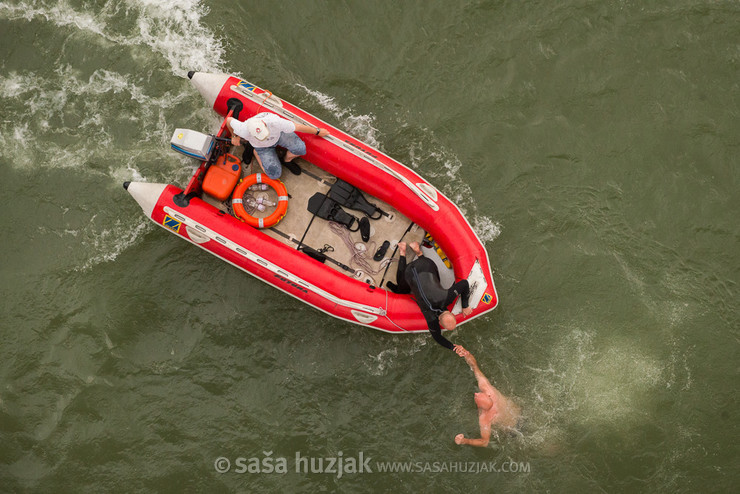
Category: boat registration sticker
[172,223]
[487,297]
[247,86]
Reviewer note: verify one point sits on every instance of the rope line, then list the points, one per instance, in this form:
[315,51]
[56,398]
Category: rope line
[358,256]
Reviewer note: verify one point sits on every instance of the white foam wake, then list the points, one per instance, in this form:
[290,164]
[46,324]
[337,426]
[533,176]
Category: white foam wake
[106,122]
[171,29]
[59,13]
[458,191]
[359,126]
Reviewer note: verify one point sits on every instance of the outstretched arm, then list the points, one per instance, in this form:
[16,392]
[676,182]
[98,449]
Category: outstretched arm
[437,335]
[482,442]
[308,129]
[483,382]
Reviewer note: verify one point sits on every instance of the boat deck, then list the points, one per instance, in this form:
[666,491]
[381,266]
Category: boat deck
[345,250]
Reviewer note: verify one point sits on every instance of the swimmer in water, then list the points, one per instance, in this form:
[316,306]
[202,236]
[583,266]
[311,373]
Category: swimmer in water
[494,409]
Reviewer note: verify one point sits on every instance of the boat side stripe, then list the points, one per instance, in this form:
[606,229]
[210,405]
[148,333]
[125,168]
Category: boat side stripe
[251,256]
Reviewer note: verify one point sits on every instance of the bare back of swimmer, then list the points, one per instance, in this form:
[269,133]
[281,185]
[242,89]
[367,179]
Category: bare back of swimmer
[494,409]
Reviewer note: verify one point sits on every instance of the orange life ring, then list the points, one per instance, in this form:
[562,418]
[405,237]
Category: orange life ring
[238,197]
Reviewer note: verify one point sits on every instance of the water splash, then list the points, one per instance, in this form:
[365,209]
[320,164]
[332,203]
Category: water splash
[600,387]
[457,189]
[380,364]
[106,123]
[172,29]
[359,126]
[59,13]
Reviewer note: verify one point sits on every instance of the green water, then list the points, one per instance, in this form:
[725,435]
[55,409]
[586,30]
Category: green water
[593,145]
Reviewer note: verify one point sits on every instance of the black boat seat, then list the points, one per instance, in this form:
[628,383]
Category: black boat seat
[327,208]
[351,197]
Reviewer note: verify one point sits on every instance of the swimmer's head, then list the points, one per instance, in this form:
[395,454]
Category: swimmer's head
[447,320]
[483,401]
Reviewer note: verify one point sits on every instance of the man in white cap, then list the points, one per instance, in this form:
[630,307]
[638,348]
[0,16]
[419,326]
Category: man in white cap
[264,132]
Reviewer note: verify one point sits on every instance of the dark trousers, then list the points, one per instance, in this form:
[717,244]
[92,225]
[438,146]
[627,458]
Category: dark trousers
[402,285]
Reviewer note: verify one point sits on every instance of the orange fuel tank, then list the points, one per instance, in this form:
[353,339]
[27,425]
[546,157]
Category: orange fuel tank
[222,176]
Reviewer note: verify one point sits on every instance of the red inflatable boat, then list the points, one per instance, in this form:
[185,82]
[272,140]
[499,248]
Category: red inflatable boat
[280,232]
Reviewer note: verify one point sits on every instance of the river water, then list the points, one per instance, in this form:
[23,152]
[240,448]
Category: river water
[592,144]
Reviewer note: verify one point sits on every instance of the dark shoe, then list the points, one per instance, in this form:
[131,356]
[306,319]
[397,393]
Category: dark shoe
[294,168]
[365,228]
[381,251]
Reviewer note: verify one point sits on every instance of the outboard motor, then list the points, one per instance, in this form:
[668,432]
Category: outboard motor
[192,143]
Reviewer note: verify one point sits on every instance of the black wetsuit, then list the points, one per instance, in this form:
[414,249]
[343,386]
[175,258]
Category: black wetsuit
[421,278]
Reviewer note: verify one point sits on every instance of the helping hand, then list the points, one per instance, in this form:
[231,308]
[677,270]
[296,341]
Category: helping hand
[461,351]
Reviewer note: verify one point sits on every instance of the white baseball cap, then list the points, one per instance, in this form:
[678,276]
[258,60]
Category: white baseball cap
[257,128]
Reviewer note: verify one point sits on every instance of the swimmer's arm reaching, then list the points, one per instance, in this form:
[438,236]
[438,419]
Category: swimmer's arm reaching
[482,442]
[483,383]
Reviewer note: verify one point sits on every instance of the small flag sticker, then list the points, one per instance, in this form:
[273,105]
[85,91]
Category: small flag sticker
[247,86]
[487,297]
[172,223]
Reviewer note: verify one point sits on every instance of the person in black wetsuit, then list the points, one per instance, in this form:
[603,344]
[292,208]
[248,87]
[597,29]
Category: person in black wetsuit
[421,278]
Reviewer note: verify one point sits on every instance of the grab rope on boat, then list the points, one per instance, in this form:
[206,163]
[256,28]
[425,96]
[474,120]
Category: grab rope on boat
[358,256]
[385,314]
